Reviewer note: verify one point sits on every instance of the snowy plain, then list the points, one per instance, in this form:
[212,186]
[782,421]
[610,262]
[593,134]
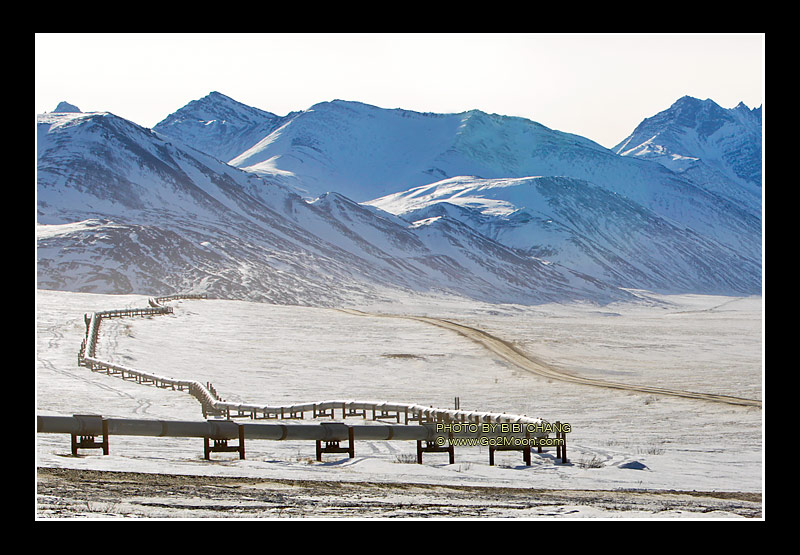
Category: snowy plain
[262,353]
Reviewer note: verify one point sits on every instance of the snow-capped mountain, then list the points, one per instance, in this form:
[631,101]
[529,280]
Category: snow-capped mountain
[718,148]
[345,198]
[586,228]
[123,209]
[365,152]
[218,125]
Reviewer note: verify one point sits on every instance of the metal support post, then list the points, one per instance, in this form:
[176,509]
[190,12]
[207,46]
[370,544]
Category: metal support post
[431,447]
[335,447]
[87,441]
[563,436]
[221,446]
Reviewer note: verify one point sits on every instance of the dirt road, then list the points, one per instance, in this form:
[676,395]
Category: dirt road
[510,353]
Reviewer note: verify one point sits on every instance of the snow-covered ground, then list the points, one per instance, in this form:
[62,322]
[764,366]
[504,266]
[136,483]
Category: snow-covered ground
[270,354]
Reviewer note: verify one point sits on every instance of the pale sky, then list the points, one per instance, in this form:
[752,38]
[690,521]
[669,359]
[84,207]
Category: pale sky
[599,86]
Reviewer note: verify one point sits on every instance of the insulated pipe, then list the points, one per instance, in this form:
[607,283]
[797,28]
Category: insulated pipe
[227,429]
[93,425]
[78,425]
[212,429]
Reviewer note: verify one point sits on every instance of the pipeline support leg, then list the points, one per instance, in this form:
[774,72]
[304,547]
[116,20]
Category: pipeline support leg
[89,442]
[334,446]
[221,446]
[431,447]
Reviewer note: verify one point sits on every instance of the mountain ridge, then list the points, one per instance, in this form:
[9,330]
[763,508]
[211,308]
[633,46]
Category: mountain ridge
[582,222]
[218,125]
[586,228]
[122,209]
[698,139]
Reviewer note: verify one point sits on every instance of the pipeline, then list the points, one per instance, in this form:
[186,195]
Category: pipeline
[213,405]
[93,425]
[437,437]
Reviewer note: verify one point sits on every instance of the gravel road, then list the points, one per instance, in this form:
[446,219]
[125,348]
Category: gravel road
[512,354]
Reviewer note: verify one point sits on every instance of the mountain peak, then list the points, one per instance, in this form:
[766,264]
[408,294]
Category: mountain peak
[339,104]
[747,112]
[217,98]
[218,125]
[66,107]
[718,147]
[688,99]
[693,112]
[216,106]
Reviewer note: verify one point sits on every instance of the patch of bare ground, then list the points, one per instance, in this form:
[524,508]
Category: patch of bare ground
[69,493]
